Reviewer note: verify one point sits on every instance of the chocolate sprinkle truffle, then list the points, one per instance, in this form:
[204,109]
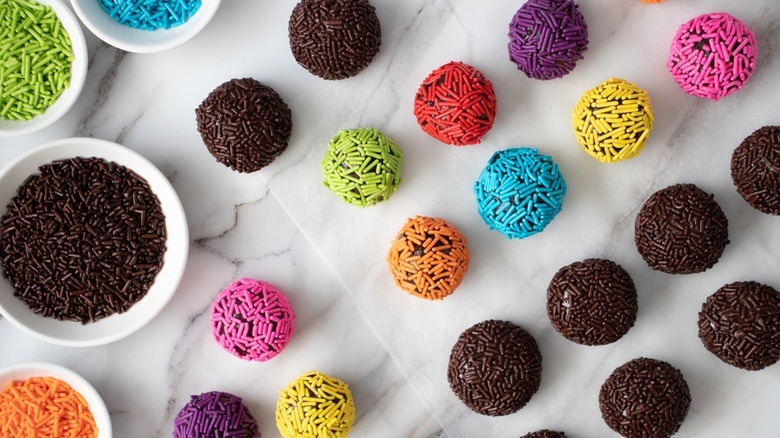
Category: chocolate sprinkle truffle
[244,124]
[334,39]
[213,414]
[495,368]
[755,169]
[592,302]
[740,323]
[645,398]
[681,230]
[544,434]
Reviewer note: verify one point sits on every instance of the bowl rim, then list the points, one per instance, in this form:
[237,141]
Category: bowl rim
[97,406]
[176,228]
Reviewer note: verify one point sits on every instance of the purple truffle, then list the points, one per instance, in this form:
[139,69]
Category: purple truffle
[547,38]
[215,414]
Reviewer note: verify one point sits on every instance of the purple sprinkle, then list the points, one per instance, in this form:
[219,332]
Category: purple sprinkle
[215,414]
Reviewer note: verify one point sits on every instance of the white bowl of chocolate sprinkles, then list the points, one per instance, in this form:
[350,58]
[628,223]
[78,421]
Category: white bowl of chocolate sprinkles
[94,277]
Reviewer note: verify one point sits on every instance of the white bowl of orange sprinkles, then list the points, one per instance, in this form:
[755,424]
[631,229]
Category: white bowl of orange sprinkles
[43,399]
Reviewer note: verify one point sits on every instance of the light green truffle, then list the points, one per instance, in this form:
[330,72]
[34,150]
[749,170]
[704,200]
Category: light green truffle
[362,166]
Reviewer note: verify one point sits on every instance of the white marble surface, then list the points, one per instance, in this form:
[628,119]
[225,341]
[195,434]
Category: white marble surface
[331,256]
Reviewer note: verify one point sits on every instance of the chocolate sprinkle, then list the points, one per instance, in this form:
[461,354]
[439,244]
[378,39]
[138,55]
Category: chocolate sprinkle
[740,323]
[544,434]
[681,230]
[82,240]
[755,169]
[592,302]
[334,39]
[645,398]
[495,368]
[244,124]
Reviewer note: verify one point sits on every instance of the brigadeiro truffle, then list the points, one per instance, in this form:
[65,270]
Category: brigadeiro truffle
[740,323]
[755,169]
[215,414]
[681,230]
[613,120]
[244,124]
[252,320]
[547,38]
[592,302]
[428,258]
[456,104]
[544,434]
[495,368]
[712,55]
[519,192]
[645,398]
[315,405]
[334,39]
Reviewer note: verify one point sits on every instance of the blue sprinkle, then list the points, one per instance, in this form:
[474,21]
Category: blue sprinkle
[150,14]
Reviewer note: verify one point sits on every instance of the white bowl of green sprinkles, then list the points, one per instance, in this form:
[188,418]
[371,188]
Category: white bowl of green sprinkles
[36,90]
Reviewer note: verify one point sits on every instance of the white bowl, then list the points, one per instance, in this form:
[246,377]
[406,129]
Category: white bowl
[117,326]
[41,369]
[139,40]
[78,73]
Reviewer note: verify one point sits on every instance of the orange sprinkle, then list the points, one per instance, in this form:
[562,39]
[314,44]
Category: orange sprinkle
[44,406]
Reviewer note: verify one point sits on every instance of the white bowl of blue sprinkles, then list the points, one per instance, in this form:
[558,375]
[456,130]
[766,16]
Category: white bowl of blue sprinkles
[147,26]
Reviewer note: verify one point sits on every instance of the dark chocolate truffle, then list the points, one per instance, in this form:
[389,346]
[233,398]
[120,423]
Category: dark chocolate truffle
[740,323]
[334,39]
[244,124]
[495,368]
[645,398]
[592,302]
[681,230]
[544,434]
[755,169]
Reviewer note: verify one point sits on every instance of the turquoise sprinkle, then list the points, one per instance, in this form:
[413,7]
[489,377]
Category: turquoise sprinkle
[519,192]
[150,14]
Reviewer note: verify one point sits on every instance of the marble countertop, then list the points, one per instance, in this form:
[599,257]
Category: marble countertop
[283,226]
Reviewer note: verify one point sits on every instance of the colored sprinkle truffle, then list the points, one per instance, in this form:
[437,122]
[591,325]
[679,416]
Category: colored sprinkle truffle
[150,14]
[547,38]
[244,124]
[544,434]
[519,192]
[82,240]
[214,414]
[681,230]
[613,120]
[592,302]
[755,169]
[712,55]
[645,398]
[334,39]
[315,405]
[740,324]
[428,258]
[362,166]
[456,104]
[252,320]
[35,60]
[495,368]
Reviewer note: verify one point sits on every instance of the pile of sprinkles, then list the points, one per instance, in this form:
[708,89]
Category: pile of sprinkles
[35,59]
[546,433]
[755,169]
[82,240]
[215,414]
[44,406]
[315,405]
[150,14]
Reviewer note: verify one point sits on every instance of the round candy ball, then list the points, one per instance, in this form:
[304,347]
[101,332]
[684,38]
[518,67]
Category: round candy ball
[740,324]
[519,192]
[428,258]
[244,124]
[547,38]
[645,398]
[456,104]
[613,120]
[495,368]
[592,302]
[215,414]
[755,169]
[362,166]
[315,405]
[252,320]
[334,39]
[681,230]
[544,434]
[712,55]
